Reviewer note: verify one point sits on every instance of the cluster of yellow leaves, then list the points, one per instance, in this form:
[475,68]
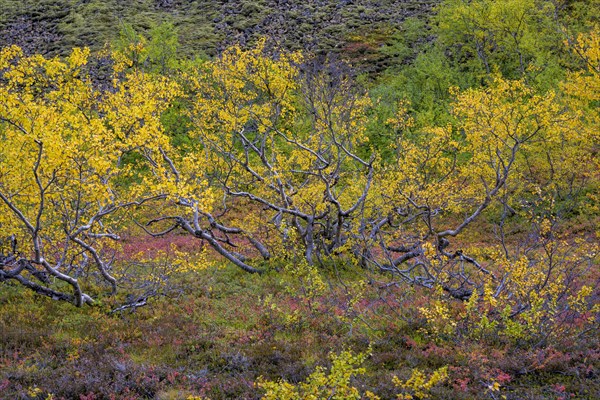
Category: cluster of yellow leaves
[309,278]
[531,302]
[509,117]
[440,321]
[583,89]
[334,385]
[402,120]
[586,84]
[422,162]
[256,125]
[243,86]
[72,153]
[53,148]
[539,144]
[418,385]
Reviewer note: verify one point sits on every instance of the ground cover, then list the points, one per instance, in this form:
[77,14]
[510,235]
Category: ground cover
[219,331]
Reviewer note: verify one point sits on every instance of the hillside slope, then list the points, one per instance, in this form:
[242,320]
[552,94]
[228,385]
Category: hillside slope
[355,28]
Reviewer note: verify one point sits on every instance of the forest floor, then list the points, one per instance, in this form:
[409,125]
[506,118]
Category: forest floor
[215,331]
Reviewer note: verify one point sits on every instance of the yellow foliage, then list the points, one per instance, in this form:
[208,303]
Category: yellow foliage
[439,319]
[321,385]
[61,160]
[418,385]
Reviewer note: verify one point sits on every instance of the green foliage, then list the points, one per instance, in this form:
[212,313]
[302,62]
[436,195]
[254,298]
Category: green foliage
[425,85]
[163,48]
[404,45]
[157,53]
[491,33]
[132,45]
